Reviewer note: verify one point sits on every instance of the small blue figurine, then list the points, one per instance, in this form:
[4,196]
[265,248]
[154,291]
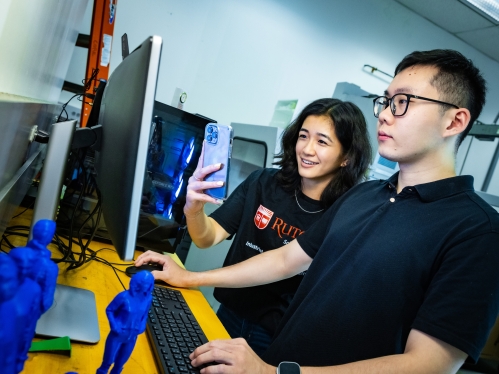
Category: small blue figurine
[46,276]
[27,284]
[9,337]
[42,233]
[127,315]
[27,300]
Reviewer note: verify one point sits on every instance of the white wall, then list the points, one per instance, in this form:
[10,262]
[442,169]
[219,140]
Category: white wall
[37,39]
[236,58]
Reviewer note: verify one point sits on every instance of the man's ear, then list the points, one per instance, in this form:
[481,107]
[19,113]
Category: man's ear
[459,121]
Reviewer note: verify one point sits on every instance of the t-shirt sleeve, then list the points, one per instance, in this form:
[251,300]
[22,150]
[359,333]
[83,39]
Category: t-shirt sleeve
[462,302]
[311,240]
[229,214]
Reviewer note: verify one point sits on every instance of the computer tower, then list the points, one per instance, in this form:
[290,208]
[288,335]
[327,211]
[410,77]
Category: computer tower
[174,148]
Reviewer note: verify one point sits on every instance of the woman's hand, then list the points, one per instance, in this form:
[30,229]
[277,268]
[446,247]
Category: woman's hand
[196,198]
[171,273]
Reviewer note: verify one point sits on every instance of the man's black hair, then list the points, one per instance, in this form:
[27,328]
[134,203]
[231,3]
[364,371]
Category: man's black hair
[350,128]
[458,80]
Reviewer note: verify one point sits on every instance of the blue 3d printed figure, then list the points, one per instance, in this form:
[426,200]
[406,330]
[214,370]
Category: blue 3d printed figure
[9,284]
[27,284]
[43,231]
[27,300]
[127,315]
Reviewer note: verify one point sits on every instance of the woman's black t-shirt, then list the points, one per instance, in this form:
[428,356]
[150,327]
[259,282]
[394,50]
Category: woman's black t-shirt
[264,217]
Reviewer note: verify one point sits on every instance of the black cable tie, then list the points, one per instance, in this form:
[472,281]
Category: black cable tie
[41,136]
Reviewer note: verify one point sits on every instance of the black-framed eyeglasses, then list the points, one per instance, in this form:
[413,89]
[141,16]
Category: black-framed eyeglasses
[399,103]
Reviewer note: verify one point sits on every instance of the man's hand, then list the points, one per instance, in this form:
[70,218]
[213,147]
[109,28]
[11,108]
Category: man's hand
[229,356]
[171,274]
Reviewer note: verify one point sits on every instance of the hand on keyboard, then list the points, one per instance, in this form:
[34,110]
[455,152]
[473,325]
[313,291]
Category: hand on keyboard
[235,353]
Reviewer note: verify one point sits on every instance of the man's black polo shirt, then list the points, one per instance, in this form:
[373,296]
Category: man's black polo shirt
[427,258]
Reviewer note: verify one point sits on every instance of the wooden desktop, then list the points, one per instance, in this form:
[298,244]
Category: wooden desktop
[101,279]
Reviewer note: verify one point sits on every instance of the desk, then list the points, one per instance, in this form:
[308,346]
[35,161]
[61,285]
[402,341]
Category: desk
[101,279]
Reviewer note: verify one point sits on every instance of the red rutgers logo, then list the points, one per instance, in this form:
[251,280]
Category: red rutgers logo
[262,217]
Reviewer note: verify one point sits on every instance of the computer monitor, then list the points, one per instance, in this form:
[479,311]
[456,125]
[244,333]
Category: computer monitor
[126,114]
[382,168]
[121,138]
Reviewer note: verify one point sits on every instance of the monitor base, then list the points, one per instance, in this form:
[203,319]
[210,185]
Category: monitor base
[73,314]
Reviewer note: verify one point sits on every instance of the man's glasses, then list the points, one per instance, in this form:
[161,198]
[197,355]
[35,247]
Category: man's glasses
[399,103]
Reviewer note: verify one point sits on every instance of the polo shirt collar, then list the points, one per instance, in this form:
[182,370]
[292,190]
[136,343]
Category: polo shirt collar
[439,189]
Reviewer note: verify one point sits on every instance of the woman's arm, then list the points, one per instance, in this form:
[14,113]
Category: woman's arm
[203,230]
[267,267]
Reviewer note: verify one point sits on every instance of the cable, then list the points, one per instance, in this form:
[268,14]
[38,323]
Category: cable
[88,82]
[64,108]
[68,252]
[97,210]
[84,247]
[7,243]
[25,210]
[86,86]
[105,262]
[92,256]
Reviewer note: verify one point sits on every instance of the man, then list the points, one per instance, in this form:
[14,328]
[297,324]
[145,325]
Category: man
[404,277]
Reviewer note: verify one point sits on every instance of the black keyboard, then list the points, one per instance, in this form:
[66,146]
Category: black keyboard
[173,331]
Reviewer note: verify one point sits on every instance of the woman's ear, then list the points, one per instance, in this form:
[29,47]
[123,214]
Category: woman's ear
[344,163]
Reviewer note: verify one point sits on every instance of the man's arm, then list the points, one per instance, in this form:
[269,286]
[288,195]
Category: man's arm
[423,355]
[268,267]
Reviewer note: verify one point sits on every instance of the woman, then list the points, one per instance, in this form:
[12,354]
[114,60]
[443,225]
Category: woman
[325,151]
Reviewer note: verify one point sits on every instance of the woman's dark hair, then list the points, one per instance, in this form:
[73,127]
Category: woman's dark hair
[350,129]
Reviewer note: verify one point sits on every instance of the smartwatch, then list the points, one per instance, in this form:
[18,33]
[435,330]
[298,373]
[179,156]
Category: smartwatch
[287,367]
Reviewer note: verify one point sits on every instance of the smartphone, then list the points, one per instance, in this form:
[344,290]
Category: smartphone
[218,149]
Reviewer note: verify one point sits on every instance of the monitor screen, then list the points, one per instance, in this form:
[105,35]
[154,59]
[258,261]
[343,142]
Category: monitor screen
[174,149]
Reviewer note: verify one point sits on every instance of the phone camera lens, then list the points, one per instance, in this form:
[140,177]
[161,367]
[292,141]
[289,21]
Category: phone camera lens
[210,129]
[215,135]
[209,138]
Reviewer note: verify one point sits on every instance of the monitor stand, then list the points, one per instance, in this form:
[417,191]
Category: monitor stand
[74,311]
[73,314]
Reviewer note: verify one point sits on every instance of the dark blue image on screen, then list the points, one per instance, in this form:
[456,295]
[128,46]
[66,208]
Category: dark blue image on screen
[174,148]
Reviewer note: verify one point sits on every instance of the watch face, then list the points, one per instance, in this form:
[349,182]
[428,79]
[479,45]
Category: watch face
[183,97]
[289,368]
